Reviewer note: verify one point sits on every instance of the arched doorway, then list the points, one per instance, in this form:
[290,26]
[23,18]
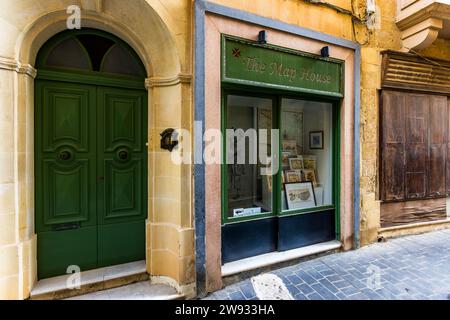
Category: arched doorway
[90,153]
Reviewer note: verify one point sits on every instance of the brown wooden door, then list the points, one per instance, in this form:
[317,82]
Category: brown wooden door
[415,145]
[393,146]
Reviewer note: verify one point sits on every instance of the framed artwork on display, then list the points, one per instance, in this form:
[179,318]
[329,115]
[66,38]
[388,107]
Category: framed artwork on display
[293,176]
[290,146]
[310,162]
[296,163]
[316,140]
[310,176]
[300,195]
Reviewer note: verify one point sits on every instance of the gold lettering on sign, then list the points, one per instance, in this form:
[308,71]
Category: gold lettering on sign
[254,64]
[278,69]
[281,71]
[309,75]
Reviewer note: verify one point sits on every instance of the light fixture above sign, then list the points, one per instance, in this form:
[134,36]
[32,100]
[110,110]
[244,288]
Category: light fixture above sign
[262,37]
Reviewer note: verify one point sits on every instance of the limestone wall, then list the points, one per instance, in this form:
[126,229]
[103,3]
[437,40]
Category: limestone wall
[160,32]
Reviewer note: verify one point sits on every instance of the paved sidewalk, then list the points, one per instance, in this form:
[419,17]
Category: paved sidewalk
[408,268]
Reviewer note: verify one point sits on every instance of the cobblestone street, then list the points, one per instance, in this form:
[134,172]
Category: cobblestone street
[408,268]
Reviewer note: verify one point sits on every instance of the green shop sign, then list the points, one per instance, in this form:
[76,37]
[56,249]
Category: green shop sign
[250,63]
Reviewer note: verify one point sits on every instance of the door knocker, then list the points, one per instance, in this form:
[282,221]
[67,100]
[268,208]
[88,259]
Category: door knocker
[168,141]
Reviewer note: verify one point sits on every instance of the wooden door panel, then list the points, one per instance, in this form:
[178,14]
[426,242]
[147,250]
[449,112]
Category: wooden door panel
[122,163]
[394,172]
[448,148]
[65,177]
[415,185]
[393,117]
[65,155]
[416,158]
[123,121]
[393,146]
[437,170]
[124,191]
[416,145]
[66,119]
[438,120]
[415,173]
[416,119]
[66,193]
[438,132]
[121,155]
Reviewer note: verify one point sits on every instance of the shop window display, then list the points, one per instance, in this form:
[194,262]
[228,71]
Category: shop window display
[306,155]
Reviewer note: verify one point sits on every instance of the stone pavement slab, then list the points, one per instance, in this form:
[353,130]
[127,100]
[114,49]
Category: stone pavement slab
[407,268]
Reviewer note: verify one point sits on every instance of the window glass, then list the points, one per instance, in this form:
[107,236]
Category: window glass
[68,54]
[306,154]
[249,188]
[96,46]
[119,60]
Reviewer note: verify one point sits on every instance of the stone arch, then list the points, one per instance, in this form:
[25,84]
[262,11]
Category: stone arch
[156,49]
[142,27]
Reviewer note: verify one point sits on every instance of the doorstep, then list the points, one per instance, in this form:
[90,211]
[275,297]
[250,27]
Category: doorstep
[136,291]
[91,281]
[412,229]
[275,259]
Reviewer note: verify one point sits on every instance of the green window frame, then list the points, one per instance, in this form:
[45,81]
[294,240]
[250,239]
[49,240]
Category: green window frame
[276,97]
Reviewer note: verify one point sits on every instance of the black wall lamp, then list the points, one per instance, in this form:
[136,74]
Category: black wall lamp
[325,52]
[262,37]
[168,141]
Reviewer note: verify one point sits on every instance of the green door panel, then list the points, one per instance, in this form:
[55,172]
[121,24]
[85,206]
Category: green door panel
[122,156]
[66,193]
[57,251]
[121,199]
[121,243]
[65,155]
[91,176]
[122,161]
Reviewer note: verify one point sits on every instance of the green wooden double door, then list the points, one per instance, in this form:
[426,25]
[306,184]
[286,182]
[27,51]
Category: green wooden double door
[91,176]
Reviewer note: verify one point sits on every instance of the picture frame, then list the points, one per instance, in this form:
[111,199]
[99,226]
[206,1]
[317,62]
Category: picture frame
[316,140]
[290,146]
[310,162]
[293,176]
[300,196]
[296,163]
[285,155]
[310,176]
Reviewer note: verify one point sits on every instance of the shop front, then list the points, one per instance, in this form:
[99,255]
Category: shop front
[286,103]
[280,115]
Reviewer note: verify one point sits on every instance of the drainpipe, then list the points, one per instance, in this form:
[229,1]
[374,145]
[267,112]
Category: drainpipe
[357,151]
[371,9]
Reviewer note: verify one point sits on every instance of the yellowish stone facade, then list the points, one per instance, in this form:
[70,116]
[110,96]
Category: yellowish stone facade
[161,32]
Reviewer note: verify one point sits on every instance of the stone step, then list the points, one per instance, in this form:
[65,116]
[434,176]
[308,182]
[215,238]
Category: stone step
[91,281]
[136,291]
